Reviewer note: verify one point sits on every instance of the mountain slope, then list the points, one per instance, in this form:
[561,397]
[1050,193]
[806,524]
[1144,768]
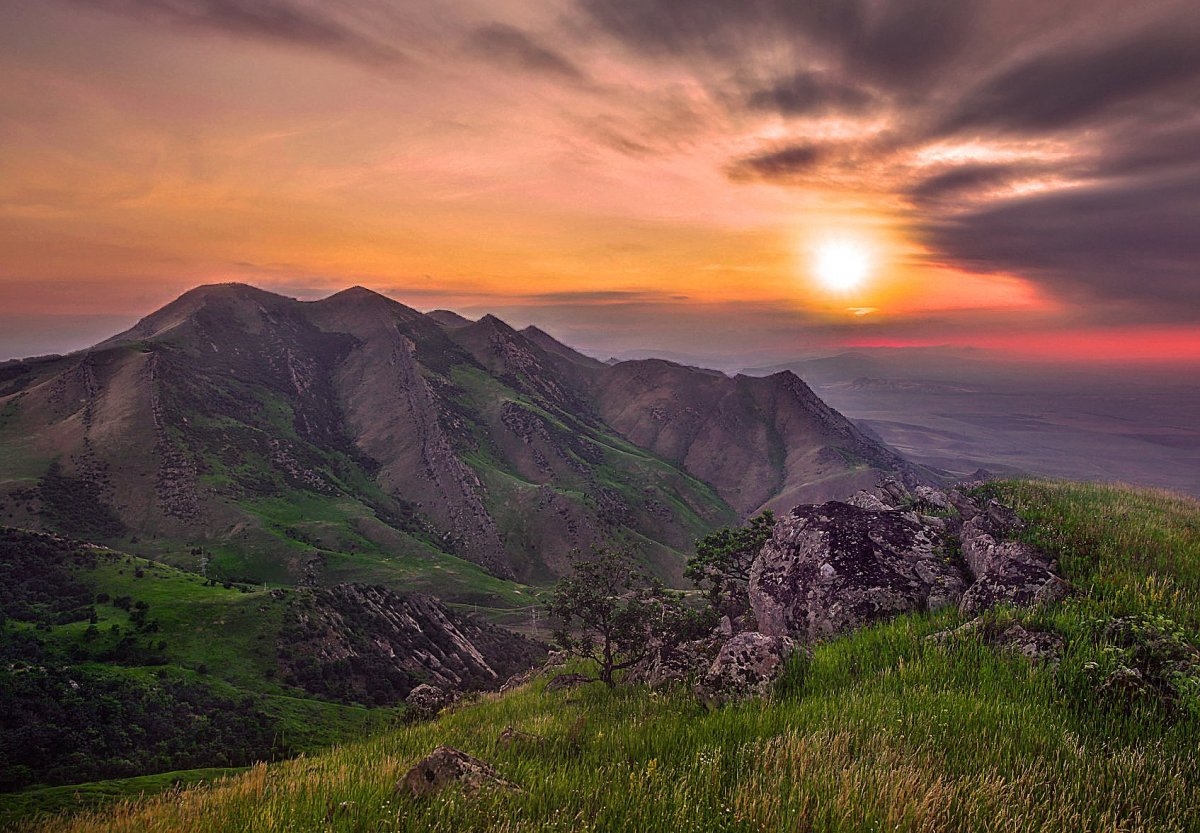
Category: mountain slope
[354,438]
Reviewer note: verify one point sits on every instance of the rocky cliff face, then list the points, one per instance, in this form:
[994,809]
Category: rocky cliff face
[368,644]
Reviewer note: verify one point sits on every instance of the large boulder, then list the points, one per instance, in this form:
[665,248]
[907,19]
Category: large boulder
[836,567]
[445,766]
[746,666]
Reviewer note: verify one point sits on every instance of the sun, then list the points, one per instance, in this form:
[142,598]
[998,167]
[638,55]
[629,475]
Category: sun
[841,265]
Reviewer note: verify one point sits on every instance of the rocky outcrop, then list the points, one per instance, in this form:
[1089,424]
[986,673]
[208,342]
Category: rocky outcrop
[446,766]
[1034,645]
[746,666]
[835,567]
[425,701]
[368,644]
[839,566]
[1005,571]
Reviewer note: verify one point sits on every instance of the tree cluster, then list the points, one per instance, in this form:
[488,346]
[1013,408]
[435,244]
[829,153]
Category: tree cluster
[611,612]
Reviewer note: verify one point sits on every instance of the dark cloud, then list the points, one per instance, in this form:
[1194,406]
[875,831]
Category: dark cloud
[283,21]
[511,47]
[898,42]
[963,180]
[909,40]
[1153,150]
[778,165]
[1132,245]
[807,93]
[1065,84]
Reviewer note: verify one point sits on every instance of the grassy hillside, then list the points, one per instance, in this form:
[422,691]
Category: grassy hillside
[115,667]
[880,730]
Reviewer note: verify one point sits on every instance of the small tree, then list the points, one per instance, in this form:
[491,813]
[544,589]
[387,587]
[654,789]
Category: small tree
[606,610]
[723,559]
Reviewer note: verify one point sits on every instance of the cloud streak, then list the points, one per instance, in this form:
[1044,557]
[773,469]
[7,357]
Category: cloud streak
[510,47]
[278,21]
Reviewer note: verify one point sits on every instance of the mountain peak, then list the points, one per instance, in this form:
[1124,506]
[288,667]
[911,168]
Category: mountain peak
[184,308]
[449,318]
[364,304]
[493,323]
[359,294]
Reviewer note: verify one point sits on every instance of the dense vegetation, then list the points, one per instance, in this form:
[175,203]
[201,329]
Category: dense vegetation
[76,506]
[879,730]
[67,725]
[112,666]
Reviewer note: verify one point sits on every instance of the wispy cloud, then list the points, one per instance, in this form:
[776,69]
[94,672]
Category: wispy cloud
[282,21]
[510,47]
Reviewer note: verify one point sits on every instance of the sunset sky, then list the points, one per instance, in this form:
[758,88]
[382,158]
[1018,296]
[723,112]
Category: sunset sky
[726,181]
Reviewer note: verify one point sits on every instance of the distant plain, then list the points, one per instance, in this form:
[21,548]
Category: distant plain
[1118,424]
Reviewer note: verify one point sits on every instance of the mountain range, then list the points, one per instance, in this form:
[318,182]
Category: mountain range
[258,438]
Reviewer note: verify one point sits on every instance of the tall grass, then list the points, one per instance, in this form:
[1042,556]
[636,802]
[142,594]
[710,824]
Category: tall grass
[880,730]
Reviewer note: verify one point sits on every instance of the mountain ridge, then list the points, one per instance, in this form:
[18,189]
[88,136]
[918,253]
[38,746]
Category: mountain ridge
[474,440]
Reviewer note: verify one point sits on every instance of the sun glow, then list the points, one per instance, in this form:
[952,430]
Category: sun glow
[841,265]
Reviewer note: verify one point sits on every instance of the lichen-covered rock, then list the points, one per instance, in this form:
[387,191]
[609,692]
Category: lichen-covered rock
[1006,572]
[835,567]
[931,497]
[425,701]
[676,664]
[746,666]
[446,766]
[1034,645]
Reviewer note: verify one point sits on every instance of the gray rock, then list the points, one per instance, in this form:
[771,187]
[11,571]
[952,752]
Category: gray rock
[446,766]
[836,567]
[425,701]
[746,666]
[866,500]
[932,497]
[1036,646]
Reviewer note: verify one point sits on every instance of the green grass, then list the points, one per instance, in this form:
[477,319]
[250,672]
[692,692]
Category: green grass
[879,730]
[1129,550]
[51,801]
